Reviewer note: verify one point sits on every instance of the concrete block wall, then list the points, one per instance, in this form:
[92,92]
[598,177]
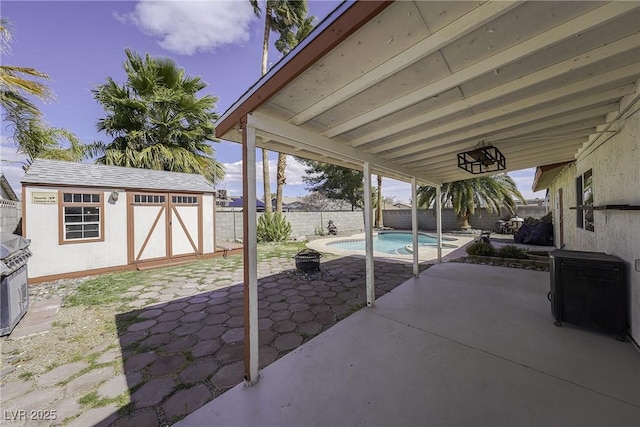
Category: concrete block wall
[229,224]
[480,220]
[10,214]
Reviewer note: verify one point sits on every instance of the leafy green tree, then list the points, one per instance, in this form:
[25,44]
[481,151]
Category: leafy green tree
[335,182]
[282,17]
[156,119]
[492,192]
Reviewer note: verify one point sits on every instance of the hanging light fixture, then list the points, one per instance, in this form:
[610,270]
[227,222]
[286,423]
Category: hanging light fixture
[483,158]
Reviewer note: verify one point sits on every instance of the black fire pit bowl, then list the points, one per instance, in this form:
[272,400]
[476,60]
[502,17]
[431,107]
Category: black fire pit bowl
[308,260]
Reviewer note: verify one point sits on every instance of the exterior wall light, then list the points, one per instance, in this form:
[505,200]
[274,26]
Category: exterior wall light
[114,195]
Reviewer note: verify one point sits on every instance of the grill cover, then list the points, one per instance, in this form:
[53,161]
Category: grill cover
[11,243]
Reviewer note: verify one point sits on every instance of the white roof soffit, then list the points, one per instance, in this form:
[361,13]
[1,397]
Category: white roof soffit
[412,84]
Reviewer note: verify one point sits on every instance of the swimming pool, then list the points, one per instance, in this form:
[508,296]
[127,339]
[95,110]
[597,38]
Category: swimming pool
[393,242]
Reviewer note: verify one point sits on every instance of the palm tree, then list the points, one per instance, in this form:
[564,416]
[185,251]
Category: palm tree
[38,141]
[287,41]
[282,17]
[492,192]
[156,120]
[16,83]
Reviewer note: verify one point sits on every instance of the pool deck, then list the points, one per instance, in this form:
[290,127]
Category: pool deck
[425,253]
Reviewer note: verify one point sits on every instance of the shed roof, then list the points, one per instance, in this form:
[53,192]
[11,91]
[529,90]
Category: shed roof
[57,172]
[407,85]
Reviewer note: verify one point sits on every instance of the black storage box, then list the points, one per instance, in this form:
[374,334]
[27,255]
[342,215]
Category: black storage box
[589,289]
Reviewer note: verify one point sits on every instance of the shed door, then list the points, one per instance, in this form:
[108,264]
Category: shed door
[164,226]
[185,224]
[148,231]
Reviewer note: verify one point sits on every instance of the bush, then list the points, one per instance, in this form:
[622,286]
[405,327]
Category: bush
[273,228]
[481,248]
[511,251]
[548,218]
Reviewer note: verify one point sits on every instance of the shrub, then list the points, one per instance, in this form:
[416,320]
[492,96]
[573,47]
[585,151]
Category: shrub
[319,231]
[273,228]
[481,248]
[547,218]
[511,251]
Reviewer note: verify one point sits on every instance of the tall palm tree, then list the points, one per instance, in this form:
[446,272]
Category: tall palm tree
[282,17]
[492,192]
[156,120]
[16,83]
[287,41]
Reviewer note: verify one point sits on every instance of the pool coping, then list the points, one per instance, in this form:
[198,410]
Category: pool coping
[430,254]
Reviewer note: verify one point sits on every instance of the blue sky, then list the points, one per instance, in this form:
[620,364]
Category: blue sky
[79,43]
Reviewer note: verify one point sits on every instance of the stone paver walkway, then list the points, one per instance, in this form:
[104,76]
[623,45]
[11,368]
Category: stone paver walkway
[186,348]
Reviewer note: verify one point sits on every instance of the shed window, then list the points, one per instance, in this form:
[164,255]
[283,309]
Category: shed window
[184,200]
[82,216]
[584,198]
[148,199]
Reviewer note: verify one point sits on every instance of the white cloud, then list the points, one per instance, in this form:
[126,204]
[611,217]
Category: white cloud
[187,27]
[233,176]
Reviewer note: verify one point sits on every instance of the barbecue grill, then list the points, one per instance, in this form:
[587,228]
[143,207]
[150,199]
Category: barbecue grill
[14,294]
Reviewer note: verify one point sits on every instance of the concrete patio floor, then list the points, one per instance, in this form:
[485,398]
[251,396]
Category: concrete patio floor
[460,345]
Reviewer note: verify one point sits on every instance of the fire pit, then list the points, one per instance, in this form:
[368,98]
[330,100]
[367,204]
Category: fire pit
[308,260]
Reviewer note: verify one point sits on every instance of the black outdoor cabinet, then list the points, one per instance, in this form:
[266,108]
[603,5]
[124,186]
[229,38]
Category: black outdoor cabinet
[589,289]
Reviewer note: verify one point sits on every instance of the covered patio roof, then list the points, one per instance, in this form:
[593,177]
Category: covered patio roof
[401,88]
[405,86]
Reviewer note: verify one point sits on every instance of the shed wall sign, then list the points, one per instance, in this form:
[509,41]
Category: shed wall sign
[41,198]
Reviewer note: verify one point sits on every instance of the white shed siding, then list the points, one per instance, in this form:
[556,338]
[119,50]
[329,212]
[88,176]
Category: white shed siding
[616,174]
[208,224]
[49,257]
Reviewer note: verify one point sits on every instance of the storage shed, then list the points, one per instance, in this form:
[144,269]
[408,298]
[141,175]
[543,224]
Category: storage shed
[90,219]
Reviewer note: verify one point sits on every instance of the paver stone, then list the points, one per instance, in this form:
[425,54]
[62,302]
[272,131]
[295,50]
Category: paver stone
[166,365]
[198,371]
[89,380]
[228,376]
[152,392]
[60,373]
[119,384]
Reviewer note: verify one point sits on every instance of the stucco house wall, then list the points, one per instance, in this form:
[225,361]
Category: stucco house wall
[616,174]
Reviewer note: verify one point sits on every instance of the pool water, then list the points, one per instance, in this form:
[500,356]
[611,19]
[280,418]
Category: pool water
[390,243]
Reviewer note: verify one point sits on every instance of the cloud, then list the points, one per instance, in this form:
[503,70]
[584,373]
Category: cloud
[187,27]
[233,176]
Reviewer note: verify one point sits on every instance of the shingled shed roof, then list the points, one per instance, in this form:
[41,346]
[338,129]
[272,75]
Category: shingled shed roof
[56,172]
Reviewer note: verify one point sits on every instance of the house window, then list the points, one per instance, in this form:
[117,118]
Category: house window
[81,217]
[584,196]
[184,200]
